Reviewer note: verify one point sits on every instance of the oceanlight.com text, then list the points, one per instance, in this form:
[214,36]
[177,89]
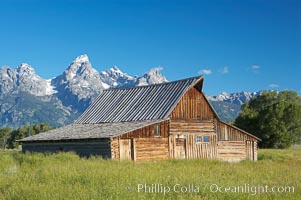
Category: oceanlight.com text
[253,190]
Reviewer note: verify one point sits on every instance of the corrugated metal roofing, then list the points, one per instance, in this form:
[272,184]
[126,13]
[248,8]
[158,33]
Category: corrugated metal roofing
[136,104]
[89,131]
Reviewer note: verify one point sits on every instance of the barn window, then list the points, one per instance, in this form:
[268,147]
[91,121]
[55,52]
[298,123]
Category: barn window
[157,130]
[198,139]
[206,139]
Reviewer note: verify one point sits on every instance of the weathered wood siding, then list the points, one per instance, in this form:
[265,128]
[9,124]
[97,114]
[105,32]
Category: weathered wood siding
[191,126]
[231,150]
[115,148]
[234,144]
[100,147]
[192,105]
[150,148]
[147,131]
[192,117]
[182,139]
[144,144]
[251,150]
[227,132]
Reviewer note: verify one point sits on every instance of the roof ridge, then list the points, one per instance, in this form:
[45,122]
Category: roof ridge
[154,85]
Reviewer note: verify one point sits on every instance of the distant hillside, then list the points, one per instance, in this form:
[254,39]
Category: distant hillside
[20,108]
[228,106]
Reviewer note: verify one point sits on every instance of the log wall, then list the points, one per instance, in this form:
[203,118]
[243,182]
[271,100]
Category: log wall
[192,127]
[147,131]
[115,148]
[228,132]
[251,150]
[231,150]
[144,144]
[235,144]
[182,139]
[150,148]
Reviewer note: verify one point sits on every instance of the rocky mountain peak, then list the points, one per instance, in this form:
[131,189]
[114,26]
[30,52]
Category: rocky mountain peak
[79,82]
[114,77]
[81,59]
[7,72]
[115,72]
[116,69]
[237,98]
[80,66]
[8,79]
[25,69]
[153,76]
[28,81]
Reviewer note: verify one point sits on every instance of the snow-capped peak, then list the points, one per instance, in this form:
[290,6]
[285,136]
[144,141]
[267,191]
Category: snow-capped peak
[115,72]
[237,98]
[81,59]
[78,67]
[7,71]
[27,80]
[24,68]
[116,69]
[114,77]
[25,71]
[153,76]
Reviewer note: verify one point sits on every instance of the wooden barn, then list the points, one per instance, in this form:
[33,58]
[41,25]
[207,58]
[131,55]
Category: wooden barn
[161,121]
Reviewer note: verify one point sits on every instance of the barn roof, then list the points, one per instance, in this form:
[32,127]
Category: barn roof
[89,131]
[139,103]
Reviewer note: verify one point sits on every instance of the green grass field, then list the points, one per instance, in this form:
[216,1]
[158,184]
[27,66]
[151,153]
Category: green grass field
[66,176]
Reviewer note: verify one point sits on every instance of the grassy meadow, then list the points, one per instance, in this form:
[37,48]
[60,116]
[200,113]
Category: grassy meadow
[66,176]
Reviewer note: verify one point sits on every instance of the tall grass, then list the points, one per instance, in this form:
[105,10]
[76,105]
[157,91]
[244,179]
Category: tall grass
[66,176]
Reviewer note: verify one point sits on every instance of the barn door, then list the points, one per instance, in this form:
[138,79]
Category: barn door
[180,149]
[125,149]
[249,150]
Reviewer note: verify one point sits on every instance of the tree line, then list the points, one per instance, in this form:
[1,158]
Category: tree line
[9,136]
[274,117]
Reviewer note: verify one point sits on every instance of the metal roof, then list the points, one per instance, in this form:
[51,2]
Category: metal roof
[137,104]
[89,131]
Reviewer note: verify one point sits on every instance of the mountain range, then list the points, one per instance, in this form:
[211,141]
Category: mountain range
[26,98]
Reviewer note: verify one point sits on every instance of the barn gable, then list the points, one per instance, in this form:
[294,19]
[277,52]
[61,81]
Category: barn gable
[193,105]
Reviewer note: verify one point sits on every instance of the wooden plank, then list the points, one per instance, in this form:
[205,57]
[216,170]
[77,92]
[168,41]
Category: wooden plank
[134,149]
[151,148]
[231,150]
[147,131]
[125,149]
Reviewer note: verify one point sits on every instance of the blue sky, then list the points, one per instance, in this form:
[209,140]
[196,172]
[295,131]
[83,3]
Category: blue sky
[237,45]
